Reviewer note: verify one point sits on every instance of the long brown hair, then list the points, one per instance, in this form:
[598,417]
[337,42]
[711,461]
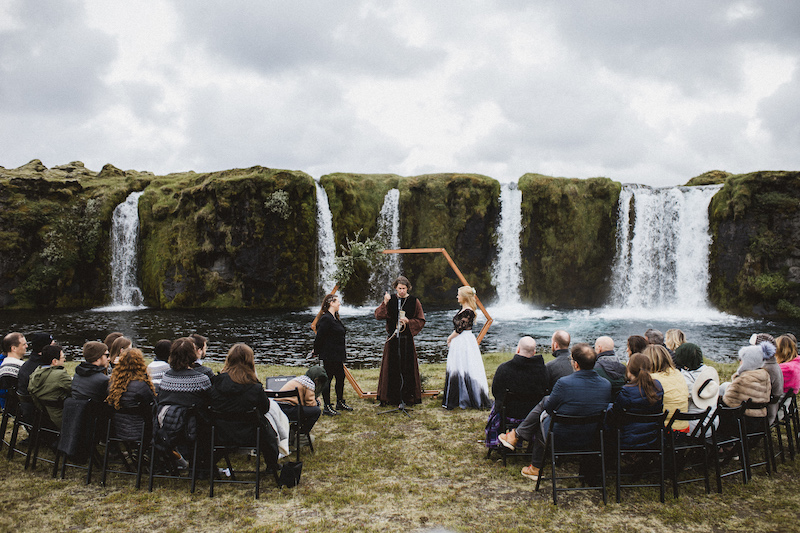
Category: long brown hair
[240,364]
[639,366]
[787,349]
[130,367]
[119,345]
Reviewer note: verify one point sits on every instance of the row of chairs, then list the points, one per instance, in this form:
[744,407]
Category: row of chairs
[682,454]
[135,457]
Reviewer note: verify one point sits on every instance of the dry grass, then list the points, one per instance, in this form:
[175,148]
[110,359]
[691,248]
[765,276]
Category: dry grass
[388,472]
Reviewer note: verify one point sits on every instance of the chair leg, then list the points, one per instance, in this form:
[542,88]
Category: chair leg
[13,441]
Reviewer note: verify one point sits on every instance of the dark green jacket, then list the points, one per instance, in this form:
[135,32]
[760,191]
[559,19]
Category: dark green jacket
[50,383]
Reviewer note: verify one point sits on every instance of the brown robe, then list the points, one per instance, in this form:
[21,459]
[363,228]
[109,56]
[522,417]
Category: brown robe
[399,366]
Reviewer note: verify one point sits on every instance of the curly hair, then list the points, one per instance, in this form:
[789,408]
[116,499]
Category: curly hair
[130,367]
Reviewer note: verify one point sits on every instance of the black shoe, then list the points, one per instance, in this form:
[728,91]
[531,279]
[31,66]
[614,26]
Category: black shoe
[342,406]
[329,410]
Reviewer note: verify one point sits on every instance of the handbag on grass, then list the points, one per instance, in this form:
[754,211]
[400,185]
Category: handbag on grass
[290,474]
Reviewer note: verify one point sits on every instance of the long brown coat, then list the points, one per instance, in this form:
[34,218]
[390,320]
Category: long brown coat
[399,376]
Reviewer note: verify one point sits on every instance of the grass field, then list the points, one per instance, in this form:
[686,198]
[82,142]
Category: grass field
[392,473]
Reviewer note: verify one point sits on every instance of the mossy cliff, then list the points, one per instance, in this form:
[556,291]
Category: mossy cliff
[755,255]
[54,226]
[457,212]
[568,239]
[238,238]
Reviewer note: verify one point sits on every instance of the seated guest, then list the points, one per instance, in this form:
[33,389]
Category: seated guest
[51,382]
[237,390]
[582,393]
[767,343]
[160,364]
[201,346]
[14,348]
[608,365]
[129,387]
[674,338]
[116,348]
[642,396]
[38,341]
[676,392]
[560,366]
[182,388]
[526,374]
[689,361]
[310,387]
[111,337]
[636,344]
[91,381]
[182,384]
[786,356]
[750,381]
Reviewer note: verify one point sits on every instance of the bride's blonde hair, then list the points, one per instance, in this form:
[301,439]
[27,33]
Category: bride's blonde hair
[468,293]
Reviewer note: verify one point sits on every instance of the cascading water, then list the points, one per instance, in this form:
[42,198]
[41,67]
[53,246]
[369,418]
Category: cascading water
[507,268]
[125,292]
[389,234]
[326,244]
[662,248]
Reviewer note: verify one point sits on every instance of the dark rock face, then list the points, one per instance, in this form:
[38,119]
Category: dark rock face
[568,240]
[755,257]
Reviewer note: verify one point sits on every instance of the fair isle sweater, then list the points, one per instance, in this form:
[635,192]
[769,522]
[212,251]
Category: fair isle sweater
[186,387]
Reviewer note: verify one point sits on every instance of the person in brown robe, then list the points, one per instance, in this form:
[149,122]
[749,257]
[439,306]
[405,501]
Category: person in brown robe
[399,377]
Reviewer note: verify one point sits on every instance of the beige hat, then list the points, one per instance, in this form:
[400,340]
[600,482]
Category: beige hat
[706,388]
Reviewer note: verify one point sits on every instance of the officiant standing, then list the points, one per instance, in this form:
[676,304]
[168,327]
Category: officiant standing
[399,378]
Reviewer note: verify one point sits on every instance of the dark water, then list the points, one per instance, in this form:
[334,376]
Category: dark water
[286,338]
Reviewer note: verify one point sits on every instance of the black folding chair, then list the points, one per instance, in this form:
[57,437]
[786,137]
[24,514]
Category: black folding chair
[221,448]
[757,429]
[23,401]
[560,450]
[728,446]
[296,425]
[517,402]
[10,410]
[658,449]
[130,453]
[784,420]
[44,429]
[163,458]
[683,445]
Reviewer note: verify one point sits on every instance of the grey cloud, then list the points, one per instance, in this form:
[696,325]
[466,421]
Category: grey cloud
[274,37]
[53,63]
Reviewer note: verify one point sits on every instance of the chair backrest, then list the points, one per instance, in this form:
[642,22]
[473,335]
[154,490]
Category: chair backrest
[275,383]
[219,419]
[277,394]
[700,418]
[654,421]
[560,423]
[517,403]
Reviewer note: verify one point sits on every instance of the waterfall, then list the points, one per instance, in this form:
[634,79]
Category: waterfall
[125,291]
[662,248]
[389,234]
[326,244]
[507,268]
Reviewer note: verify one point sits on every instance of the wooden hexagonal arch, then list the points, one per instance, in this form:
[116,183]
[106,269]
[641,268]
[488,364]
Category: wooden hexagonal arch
[426,393]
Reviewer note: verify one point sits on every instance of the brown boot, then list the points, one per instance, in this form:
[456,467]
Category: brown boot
[509,440]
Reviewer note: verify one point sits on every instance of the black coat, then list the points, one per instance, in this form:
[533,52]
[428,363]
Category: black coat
[227,396]
[524,375]
[329,343]
[90,381]
[129,426]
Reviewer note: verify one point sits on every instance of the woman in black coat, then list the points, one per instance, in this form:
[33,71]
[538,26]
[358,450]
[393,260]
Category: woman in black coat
[130,387]
[329,345]
[237,390]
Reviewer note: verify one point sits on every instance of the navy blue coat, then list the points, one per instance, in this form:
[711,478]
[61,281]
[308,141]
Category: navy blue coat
[631,399]
[583,393]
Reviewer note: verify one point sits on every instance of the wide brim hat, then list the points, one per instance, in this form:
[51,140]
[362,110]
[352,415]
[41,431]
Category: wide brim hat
[705,389]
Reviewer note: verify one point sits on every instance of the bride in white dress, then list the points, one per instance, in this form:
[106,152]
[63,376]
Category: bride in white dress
[465,384]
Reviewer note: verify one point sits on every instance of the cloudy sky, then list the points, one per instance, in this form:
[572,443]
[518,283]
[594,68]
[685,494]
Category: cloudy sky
[646,92]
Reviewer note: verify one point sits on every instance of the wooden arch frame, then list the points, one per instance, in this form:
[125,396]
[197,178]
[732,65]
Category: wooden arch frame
[425,393]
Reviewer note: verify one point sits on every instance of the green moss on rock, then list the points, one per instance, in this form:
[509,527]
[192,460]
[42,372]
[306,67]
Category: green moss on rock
[216,239]
[755,259]
[568,239]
